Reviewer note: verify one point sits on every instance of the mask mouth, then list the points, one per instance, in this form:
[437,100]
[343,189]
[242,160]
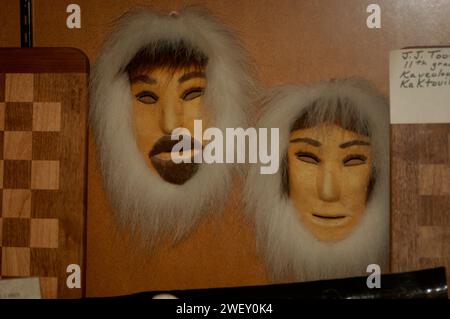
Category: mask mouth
[329,220]
[331,217]
[165,144]
[174,173]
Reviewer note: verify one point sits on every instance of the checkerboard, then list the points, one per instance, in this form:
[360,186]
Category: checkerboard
[42,177]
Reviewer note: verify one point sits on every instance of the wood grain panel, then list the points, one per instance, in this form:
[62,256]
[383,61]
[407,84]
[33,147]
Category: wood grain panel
[16,174]
[42,60]
[2,116]
[434,211]
[16,232]
[433,242]
[15,262]
[46,116]
[44,233]
[45,175]
[49,287]
[45,262]
[47,204]
[18,116]
[16,203]
[2,88]
[46,146]
[18,87]
[17,145]
[420,200]
[433,179]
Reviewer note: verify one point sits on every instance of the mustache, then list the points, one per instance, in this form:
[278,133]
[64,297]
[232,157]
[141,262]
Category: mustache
[169,171]
[165,144]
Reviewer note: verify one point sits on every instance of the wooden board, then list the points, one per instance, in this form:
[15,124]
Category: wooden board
[420,201]
[43,156]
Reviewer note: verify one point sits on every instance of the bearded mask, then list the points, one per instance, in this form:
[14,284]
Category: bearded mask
[325,214]
[157,73]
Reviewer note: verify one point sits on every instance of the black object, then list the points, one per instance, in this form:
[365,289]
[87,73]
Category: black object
[429,283]
[26,24]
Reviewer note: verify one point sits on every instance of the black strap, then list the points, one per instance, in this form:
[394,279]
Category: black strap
[26,24]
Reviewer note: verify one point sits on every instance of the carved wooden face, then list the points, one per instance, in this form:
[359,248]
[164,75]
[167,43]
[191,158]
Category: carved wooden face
[329,175]
[163,101]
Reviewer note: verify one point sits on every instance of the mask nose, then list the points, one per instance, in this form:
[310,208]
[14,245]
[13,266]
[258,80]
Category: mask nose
[328,185]
[172,116]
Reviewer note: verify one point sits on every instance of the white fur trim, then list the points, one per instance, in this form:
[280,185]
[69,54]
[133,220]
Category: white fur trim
[140,199]
[290,250]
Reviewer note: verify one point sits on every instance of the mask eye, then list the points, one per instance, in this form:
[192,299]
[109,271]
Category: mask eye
[147,97]
[307,157]
[354,160]
[192,93]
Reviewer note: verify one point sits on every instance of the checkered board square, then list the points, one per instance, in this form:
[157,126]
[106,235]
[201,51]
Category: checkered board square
[36,144]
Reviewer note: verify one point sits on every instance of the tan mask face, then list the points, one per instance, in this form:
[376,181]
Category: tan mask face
[163,101]
[329,174]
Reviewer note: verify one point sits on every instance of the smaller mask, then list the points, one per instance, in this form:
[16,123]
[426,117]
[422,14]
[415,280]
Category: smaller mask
[325,214]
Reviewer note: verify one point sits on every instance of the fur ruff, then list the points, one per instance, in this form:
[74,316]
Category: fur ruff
[141,200]
[290,250]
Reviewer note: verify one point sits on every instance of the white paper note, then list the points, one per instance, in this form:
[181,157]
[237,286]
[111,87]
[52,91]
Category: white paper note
[420,85]
[23,288]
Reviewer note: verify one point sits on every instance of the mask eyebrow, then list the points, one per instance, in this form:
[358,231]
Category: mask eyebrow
[190,75]
[306,140]
[143,78]
[353,143]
